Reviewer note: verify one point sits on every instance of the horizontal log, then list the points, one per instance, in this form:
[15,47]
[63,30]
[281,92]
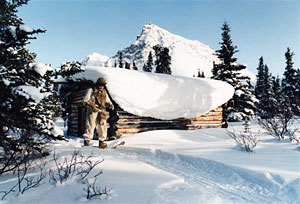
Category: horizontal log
[74,115]
[129,123]
[81,92]
[137,130]
[78,99]
[218,109]
[165,126]
[207,118]
[135,116]
[204,126]
[148,125]
[193,127]
[125,115]
[206,122]
[73,133]
[124,120]
[73,122]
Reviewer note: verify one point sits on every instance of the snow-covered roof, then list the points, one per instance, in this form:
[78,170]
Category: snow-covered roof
[160,96]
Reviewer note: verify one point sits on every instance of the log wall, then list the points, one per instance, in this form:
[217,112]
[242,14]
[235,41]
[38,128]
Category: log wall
[130,124]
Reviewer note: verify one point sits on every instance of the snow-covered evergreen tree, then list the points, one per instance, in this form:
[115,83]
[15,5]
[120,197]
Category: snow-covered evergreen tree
[27,98]
[163,60]
[298,89]
[267,99]
[134,67]
[277,89]
[200,74]
[265,88]
[289,82]
[145,68]
[259,87]
[121,63]
[244,99]
[68,69]
[149,65]
[228,70]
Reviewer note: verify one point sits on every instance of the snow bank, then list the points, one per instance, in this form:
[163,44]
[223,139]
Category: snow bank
[159,95]
[173,166]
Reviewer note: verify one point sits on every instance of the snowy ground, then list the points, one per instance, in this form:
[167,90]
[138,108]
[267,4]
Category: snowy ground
[172,166]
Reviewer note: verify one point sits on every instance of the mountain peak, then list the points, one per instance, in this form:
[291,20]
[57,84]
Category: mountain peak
[152,35]
[187,56]
[152,27]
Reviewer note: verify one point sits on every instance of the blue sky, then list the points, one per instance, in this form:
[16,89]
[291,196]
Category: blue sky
[76,28]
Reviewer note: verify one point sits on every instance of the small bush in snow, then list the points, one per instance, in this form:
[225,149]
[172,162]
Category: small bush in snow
[25,182]
[82,166]
[279,127]
[245,140]
[92,190]
[78,164]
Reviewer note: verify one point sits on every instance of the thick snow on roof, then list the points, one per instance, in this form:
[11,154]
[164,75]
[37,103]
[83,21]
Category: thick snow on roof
[159,95]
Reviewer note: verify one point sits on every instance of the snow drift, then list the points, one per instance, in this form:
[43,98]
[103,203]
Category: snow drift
[160,96]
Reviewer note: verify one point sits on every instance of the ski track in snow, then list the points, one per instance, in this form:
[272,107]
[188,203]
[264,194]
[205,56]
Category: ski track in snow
[210,178]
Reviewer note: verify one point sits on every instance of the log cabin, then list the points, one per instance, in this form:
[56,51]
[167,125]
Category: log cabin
[129,124]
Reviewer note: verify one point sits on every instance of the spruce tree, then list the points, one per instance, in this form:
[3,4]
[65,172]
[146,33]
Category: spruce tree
[267,101]
[200,74]
[163,60]
[298,89]
[68,69]
[27,97]
[277,89]
[267,91]
[259,87]
[145,68]
[134,67]
[121,63]
[244,99]
[228,70]
[149,64]
[289,82]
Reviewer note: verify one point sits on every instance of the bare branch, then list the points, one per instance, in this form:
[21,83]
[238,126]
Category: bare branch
[245,140]
[92,190]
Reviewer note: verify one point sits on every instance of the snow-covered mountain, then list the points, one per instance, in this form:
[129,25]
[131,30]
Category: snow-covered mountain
[188,56]
[95,59]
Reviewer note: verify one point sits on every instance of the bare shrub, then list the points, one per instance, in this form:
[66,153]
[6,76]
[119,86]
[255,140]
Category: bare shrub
[78,164]
[245,141]
[25,182]
[65,169]
[279,127]
[92,190]
[82,166]
[17,149]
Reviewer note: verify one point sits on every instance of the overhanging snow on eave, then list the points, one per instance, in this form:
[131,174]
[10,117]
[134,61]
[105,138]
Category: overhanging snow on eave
[160,96]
